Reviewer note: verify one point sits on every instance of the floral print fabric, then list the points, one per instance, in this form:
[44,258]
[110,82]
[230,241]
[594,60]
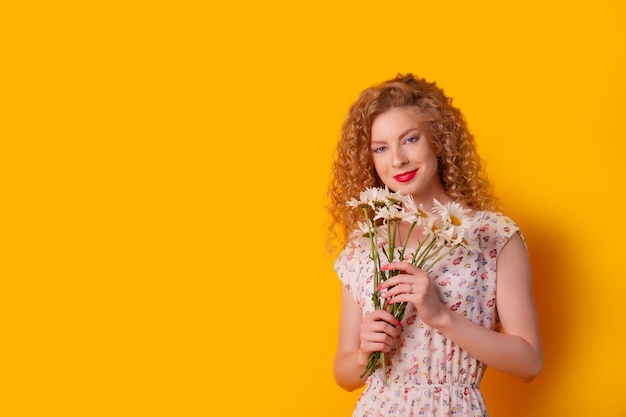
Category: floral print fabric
[429,375]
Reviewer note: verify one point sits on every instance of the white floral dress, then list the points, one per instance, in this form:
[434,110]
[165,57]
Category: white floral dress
[430,375]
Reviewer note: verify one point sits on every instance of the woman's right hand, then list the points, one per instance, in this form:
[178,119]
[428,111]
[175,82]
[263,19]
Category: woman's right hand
[379,330]
[359,336]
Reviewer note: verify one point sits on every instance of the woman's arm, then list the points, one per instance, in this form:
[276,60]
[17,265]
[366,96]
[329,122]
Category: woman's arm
[522,352]
[358,337]
[517,350]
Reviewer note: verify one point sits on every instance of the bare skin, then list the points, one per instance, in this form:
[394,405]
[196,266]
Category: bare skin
[516,351]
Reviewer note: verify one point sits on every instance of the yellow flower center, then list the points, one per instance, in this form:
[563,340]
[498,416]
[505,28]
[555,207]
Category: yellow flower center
[455,220]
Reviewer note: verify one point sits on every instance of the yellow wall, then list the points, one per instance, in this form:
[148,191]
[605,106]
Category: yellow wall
[164,174]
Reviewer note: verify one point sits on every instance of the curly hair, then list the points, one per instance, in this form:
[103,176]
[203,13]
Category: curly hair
[460,168]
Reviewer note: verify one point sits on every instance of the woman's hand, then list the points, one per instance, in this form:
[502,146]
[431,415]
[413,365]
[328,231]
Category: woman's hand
[414,286]
[379,331]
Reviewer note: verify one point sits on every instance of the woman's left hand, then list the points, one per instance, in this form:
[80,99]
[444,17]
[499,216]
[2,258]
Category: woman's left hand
[413,285]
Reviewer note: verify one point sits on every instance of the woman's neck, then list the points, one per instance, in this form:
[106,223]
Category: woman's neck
[427,201]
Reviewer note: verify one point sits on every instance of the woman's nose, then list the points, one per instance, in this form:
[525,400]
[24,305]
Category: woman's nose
[399,158]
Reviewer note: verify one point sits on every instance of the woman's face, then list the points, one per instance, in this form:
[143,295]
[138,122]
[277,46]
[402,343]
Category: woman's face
[403,155]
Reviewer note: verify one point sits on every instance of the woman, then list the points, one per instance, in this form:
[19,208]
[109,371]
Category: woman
[474,309]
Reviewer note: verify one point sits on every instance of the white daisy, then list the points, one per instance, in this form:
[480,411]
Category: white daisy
[376,196]
[418,214]
[371,197]
[361,231]
[452,213]
[434,226]
[468,243]
[392,213]
[397,197]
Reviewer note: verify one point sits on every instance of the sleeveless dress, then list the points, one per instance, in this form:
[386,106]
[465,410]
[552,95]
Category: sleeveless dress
[429,374]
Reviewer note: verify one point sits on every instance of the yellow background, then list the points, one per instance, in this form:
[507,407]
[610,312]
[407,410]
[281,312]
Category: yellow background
[164,170]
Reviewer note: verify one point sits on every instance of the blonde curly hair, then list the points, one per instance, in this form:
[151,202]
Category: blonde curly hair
[460,169]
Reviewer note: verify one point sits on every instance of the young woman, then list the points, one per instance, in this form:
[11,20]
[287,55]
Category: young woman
[474,309]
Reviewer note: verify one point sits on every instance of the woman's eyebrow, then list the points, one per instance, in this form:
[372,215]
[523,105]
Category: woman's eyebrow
[401,135]
[408,131]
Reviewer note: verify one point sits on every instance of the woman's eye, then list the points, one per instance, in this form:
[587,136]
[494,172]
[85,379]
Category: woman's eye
[412,139]
[379,149]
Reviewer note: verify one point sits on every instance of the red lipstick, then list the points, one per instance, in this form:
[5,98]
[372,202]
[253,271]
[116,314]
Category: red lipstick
[405,176]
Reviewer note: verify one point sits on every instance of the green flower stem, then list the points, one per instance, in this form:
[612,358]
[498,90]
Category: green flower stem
[371,364]
[446,253]
[431,253]
[419,255]
[427,250]
[391,236]
[375,257]
[384,365]
[406,242]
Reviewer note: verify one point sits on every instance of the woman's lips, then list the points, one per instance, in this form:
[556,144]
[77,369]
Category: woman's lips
[405,176]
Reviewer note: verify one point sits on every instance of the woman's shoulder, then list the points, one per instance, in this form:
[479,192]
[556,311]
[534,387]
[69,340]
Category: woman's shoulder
[354,247]
[353,260]
[494,227]
[488,217]
[492,216]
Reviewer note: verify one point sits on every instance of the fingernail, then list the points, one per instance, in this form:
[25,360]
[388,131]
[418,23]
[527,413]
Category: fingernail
[380,287]
[398,323]
[384,268]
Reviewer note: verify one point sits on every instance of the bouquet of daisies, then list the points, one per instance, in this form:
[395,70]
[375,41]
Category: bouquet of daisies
[444,230]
